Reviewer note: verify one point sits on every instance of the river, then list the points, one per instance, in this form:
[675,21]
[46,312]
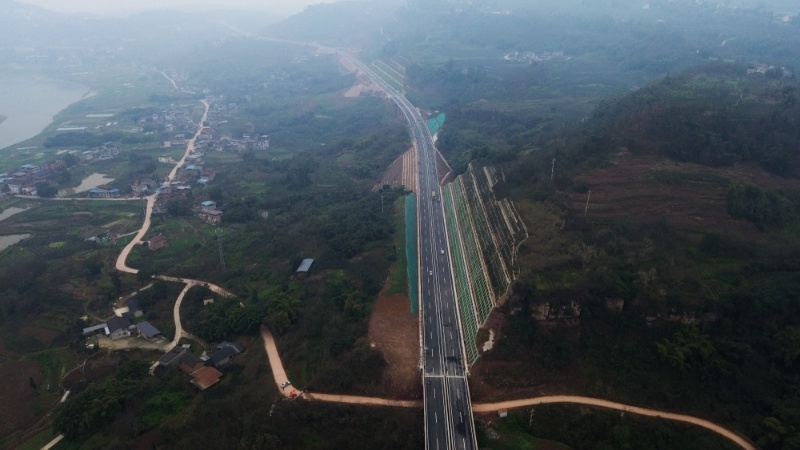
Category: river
[30,105]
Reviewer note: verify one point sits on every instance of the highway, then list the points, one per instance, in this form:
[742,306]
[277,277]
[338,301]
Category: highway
[449,423]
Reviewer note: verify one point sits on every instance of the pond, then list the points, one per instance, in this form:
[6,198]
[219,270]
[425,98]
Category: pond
[11,239]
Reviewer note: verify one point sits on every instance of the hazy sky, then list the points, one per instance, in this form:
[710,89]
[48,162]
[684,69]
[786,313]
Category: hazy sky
[123,7]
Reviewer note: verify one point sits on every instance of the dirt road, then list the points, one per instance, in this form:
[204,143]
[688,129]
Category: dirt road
[123,256]
[362,400]
[722,431]
[278,374]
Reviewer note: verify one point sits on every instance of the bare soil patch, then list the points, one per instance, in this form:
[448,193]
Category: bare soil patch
[630,188]
[44,335]
[363,85]
[6,352]
[18,396]
[394,330]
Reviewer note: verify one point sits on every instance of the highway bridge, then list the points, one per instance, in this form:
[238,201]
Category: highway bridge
[449,422]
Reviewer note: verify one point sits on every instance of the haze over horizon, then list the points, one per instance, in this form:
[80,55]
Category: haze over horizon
[124,7]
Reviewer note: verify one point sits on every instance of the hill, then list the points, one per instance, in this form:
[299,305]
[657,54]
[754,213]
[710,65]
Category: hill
[675,286]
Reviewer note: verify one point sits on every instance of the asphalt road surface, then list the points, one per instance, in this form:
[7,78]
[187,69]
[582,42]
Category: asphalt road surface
[449,422]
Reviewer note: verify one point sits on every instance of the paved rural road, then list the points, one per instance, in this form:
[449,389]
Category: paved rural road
[121,264]
[722,431]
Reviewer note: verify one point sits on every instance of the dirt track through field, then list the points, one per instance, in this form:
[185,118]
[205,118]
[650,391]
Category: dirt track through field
[279,376]
[551,399]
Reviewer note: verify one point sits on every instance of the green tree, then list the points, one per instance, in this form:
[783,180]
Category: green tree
[45,189]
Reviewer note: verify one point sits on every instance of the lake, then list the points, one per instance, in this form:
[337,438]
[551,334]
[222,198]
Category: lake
[30,104]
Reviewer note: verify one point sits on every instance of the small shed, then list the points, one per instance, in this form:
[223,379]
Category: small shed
[147,329]
[94,329]
[305,266]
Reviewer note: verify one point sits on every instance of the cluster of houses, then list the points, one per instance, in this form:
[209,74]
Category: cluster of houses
[762,69]
[533,56]
[203,371]
[23,179]
[225,142]
[109,150]
[172,121]
[123,324]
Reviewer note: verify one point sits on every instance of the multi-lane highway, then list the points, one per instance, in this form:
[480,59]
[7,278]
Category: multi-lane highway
[448,412]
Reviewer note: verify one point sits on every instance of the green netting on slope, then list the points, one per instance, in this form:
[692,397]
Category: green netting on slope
[469,324]
[436,122]
[411,252]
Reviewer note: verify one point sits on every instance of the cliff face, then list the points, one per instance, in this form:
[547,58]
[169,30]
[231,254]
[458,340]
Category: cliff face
[483,233]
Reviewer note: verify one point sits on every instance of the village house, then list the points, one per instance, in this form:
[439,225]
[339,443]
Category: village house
[179,139]
[262,143]
[108,150]
[118,328]
[224,353]
[104,191]
[29,168]
[208,205]
[202,376]
[213,217]
[141,186]
[86,156]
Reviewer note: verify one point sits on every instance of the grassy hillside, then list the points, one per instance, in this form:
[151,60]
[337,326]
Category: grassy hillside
[676,286]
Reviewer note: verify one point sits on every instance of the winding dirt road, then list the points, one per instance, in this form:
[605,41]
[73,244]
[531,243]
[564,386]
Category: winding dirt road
[732,436]
[279,375]
[176,309]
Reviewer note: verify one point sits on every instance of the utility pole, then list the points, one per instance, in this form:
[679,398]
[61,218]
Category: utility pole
[586,209]
[552,169]
[219,244]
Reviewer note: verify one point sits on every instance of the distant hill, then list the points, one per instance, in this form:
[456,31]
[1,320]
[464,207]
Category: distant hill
[716,116]
[348,23]
[153,36]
